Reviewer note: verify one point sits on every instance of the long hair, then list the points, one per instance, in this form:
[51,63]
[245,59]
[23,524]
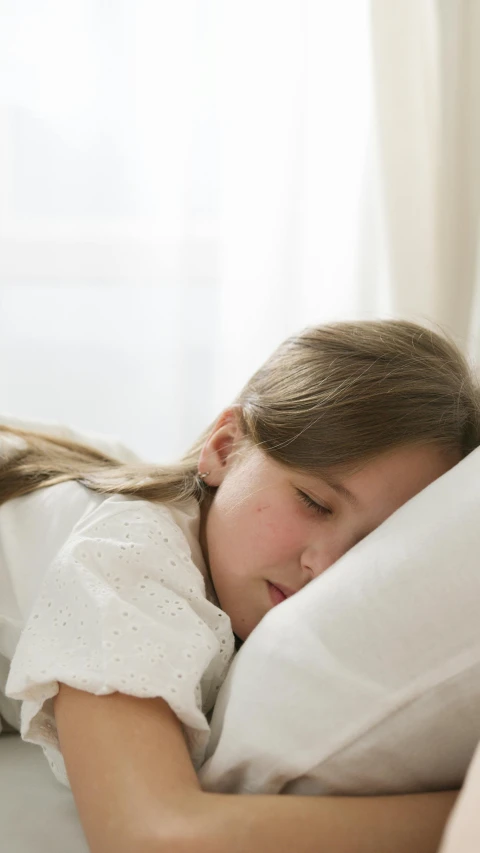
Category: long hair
[333,396]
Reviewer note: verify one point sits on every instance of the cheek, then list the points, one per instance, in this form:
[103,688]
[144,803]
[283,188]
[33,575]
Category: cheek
[275,529]
[260,533]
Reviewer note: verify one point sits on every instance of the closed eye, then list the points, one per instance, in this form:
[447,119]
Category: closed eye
[322,510]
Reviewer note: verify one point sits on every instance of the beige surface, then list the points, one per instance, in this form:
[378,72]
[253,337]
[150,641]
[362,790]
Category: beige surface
[37,813]
[462,834]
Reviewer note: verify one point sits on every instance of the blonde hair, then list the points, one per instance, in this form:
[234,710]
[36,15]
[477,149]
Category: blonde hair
[332,396]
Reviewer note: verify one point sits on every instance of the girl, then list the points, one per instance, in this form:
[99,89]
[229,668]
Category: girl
[140,579]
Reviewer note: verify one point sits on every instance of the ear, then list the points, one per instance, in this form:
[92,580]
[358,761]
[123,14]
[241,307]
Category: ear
[217,453]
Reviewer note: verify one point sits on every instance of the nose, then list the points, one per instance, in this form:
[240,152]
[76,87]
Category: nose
[314,563]
[316,560]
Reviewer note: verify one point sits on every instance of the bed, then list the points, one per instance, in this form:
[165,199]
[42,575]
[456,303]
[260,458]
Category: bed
[37,813]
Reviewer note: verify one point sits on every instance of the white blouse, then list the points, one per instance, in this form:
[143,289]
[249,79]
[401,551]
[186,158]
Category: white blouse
[106,593]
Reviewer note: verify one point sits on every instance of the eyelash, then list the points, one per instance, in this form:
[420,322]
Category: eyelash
[322,510]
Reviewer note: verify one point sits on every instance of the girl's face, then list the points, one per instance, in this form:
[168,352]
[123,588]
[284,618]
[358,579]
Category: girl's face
[268,530]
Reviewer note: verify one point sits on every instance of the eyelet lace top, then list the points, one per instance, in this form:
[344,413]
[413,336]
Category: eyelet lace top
[107,594]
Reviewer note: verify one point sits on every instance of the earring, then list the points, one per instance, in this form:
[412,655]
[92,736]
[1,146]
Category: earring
[202,476]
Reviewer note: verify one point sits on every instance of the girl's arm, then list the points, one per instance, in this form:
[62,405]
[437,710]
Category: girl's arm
[409,823]
[136,791]
[128,767]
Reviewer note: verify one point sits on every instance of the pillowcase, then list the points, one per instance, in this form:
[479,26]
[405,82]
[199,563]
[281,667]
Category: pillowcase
[368,680]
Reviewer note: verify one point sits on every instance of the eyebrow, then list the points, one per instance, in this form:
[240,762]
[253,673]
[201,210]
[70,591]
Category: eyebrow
[341,490]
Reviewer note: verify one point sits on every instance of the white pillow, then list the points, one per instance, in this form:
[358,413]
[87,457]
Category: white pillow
[368,680]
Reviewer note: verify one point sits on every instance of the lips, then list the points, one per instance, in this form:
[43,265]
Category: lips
[278,593]
[286,591]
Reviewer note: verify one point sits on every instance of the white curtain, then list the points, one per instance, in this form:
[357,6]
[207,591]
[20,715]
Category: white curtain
[426,59]
[182,185]
[180,189]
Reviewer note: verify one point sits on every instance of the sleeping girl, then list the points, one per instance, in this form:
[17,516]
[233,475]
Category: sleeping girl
[126,588]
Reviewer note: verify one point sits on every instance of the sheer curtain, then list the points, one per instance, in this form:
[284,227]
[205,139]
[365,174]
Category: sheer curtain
[182,185]
[426,60]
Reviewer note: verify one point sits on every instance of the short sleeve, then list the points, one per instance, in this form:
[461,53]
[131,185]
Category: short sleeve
[122,608]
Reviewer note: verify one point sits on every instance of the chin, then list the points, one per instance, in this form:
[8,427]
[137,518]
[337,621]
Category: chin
[243,631]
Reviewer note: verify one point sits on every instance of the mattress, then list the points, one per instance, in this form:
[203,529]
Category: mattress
[37,813]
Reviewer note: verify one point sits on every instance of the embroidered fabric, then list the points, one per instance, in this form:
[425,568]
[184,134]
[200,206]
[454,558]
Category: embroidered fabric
[122,607]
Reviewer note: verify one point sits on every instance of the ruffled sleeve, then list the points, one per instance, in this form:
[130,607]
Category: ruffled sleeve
[122,608]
